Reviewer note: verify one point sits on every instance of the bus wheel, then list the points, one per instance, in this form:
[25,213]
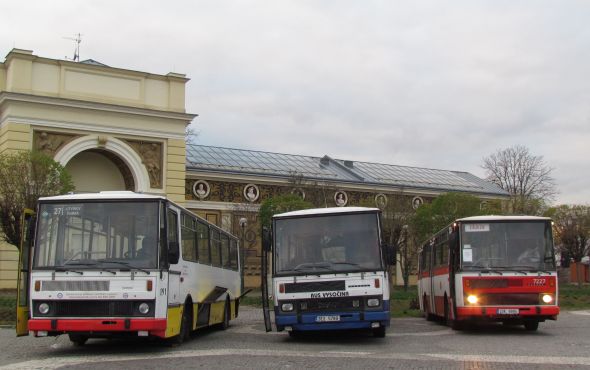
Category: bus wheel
[379,332]
[226,313]
[429,316]
[454,324]
[531,325]
[78,340]
[184,332]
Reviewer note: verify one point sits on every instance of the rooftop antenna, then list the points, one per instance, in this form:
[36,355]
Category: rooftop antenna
[78,40]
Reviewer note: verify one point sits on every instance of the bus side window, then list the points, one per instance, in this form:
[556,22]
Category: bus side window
[188,239]
[203,243]
[233,254]
[215,248]
[225,251]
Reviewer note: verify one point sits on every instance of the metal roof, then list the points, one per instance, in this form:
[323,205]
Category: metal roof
[251,162]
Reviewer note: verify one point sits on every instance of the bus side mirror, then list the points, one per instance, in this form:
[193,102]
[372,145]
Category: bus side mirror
[266,239]
[173,252]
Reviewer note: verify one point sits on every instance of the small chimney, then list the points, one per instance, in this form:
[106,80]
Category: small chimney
[325,160]
[349,164]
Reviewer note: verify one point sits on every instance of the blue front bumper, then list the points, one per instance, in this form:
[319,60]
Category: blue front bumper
[348,320]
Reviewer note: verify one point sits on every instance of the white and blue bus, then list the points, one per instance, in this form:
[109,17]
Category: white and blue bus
[329,271]
[124,264]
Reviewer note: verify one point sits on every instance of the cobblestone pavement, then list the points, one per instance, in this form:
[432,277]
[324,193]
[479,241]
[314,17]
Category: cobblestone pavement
[410,344]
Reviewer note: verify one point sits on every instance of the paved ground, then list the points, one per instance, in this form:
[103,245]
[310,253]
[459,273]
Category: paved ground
[410,344]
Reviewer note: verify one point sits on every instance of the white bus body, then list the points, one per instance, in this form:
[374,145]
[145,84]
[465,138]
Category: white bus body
[121,263]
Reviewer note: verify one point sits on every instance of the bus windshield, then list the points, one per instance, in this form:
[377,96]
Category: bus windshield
[507,245]
[105,235]
[327,244]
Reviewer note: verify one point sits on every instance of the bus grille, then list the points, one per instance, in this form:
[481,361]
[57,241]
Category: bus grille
[494,283]
[75,286]
[509,299]
[315,286]
[341,304]
[92,308]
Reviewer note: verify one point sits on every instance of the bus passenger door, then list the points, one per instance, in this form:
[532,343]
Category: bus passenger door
[23,279]
[173,245]
[266,248]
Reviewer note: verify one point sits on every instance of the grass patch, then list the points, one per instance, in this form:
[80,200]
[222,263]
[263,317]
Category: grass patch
[404,303]
[253,298]
[7,307]
[571,297]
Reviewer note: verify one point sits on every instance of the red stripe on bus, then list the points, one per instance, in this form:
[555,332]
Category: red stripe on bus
[491,311]
[154,326]
[444,270]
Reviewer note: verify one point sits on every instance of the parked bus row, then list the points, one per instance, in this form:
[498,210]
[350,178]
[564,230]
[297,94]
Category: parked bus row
[126,264]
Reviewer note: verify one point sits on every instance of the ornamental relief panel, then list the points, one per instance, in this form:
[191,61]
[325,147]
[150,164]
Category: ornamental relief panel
[49,143]
[234,192]
[151,157]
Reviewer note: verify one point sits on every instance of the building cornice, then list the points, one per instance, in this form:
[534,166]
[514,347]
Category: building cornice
[84,128]
[220,206]
[103,107]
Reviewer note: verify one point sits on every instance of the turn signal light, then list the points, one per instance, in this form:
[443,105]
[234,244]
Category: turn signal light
[37,285]
[377,283]
[150,285]
[281,288]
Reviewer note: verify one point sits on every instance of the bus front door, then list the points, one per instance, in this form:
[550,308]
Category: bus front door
[23,273]
[266,247]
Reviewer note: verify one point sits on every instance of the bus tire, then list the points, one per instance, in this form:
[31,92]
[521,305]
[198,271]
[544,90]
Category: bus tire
[379,332]
[531,325]
[427,314]
[184,331]
[226,314]
[78,340]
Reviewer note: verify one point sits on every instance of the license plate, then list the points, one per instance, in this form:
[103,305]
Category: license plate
[507,311]
[327,318]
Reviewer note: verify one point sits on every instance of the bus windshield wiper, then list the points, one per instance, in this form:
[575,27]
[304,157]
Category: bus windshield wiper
[347,263]
[484,269]
[63,269]
[80,263]
[125,264]
[311,265]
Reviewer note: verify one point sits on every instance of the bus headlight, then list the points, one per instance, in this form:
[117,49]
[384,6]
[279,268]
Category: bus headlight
[373,302]
[144,308]
[547,298]
[287,307]
[472,299]
[43,308]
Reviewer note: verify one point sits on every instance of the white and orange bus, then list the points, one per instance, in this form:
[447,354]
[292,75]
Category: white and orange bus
[124,264]
[490,268]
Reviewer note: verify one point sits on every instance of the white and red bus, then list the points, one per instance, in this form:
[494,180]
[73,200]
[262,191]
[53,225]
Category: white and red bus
[490,268]
[124,264]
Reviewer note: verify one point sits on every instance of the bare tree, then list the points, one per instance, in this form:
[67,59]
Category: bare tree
[572,229]
[526,177]
[24,178]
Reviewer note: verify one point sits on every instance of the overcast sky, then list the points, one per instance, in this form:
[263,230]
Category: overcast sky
[437,84]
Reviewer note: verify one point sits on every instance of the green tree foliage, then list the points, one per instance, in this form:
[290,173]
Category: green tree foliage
[280,204]
[430,218]
[24,178]
[571,225]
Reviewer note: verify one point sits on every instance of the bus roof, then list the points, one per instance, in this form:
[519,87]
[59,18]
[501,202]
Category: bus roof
[104,195]
[504,218]
[325,211]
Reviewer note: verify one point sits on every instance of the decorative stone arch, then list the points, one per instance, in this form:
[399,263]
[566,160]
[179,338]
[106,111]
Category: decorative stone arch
[112,145]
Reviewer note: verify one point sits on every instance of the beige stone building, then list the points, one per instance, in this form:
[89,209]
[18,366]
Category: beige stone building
[116,129]
[111,128]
